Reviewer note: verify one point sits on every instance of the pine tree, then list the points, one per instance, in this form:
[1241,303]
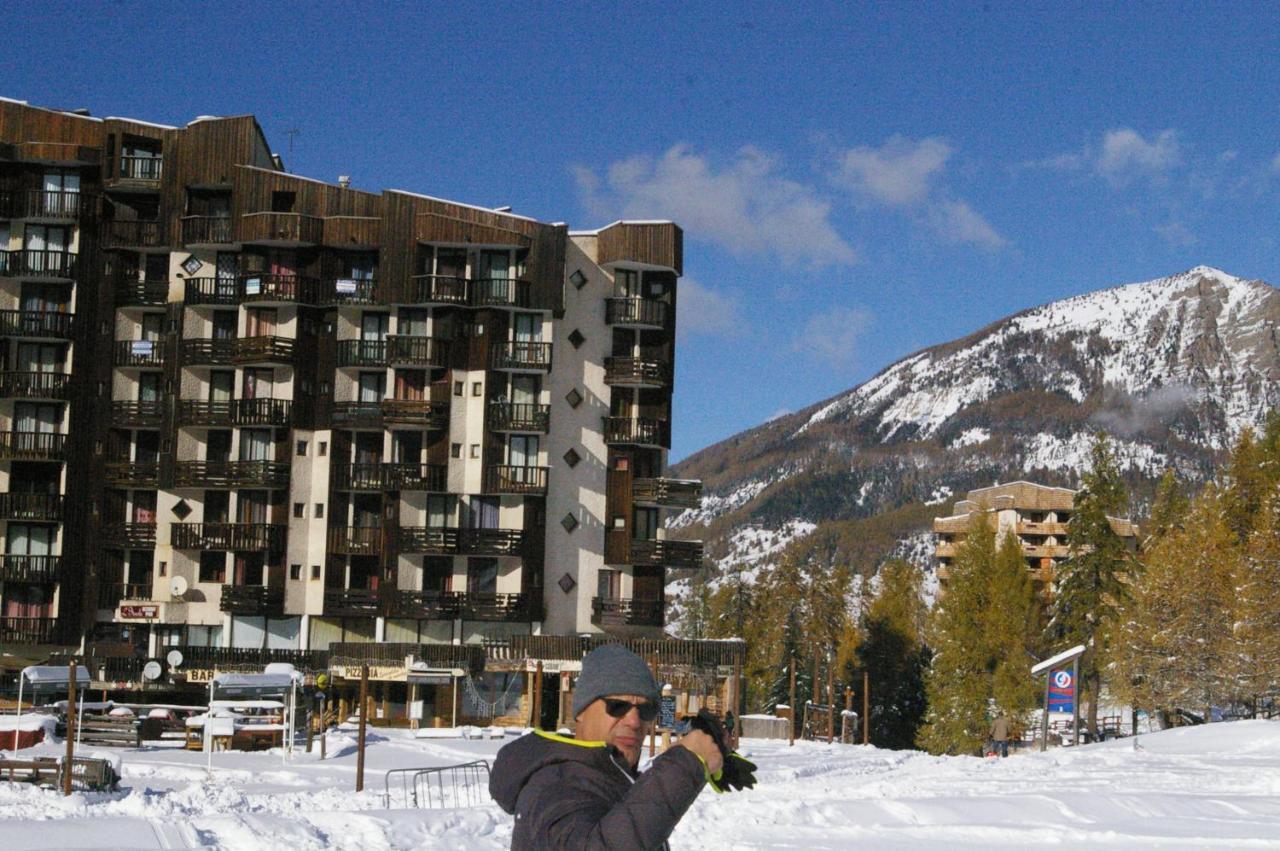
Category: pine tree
[1012,624]
[696,618]
[1093,583]
[1169,506]
[779,691]
[1258,603]
[893,652]
[1246,485]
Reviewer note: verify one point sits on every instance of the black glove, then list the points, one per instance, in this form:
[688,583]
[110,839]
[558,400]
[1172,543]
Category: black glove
[738,771]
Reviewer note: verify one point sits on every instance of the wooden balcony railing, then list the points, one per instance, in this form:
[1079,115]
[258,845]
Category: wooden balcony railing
[635,372]
[52,204]
[501,607]
[362,353]
[27,630]
[44,324]
[281,228]
[441,605]
[228,536]
[208,351]
[263,350]
[35,385]
[251,600]
[278,287]
[140,353]
[207,230]
[509,292]
[132,474]
[641,431]
[353,602]
[350,290]
[379,476]
[32,446]
[439,289]
[522,355]
[110,594]
[140,168]
[424,411]
[639,312]
[518,480]
[625,611]
[519,416]
[132,292]
[25,568]
[133,234]
[129,536]
[31,506]
[42,263]
[235,412]
[231,474]
[669,493]
[417,351]
[447,540]
[683,555]
[252,660]
[198,291]
[149,414]
[355,540]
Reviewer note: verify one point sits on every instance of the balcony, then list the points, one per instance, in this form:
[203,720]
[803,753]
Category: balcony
[667,493]
[211,231]
[614,611]
[680,555]
[447,540]
[40,324]
[31,506]
[138,172]
[439,289]
[263,351]
[394,351]
[149,414]
[355,540]
[350,291]
[519,416]
[35,385]
[378,476]
[228,536]
[132,474]
[500,607]
[638,431]
[252,600]
[285,230]
[208,351]
[421,412]
[39,263]
[128,536]
[51,205]
[507,292]
[635,372]
[140,353]
[353,602]
[27,630]
[132,292]
[231,474]
[223,291]
[438,605]
[32,446]
[636,312]
[520,356]
[134,235]
[362,353]
[274,287]
[112,593]
[25,568]
[516,480]
[235,412]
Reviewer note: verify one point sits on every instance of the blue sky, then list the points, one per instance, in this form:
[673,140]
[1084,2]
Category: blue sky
[855,181]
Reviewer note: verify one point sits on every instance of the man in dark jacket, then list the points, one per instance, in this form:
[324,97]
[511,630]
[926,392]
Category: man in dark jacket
[583,791]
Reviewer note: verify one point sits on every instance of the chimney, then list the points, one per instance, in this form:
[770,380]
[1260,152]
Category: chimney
[344,180]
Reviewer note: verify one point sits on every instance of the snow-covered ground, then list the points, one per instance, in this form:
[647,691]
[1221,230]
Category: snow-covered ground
[1216,786]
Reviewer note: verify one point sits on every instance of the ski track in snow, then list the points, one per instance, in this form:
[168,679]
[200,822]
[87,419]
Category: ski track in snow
[1203,787]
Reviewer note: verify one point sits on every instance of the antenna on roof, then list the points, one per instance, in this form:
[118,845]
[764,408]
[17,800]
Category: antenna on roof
[292,132]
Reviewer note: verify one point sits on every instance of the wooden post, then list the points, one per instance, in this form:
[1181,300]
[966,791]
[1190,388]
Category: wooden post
[537,697]
[817,690]
[866,707]
[653,731]
[385,688]
[831,704]
[364,712]
[71,728]
[792,725]
[311,725]
[324,724]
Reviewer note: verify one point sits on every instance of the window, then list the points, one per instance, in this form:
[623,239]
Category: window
[457,388]
[282,202]
[295,571]
[609,584]
[324,448]
[315,571]
[645,527]
[373,386]
[213,567]
[302,448]
[482,575]
[475,450]
[299,509]
[319,511]
[477,388]
[455,450]
[437,574]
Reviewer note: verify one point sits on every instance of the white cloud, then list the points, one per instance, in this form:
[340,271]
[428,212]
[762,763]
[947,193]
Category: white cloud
[833,335]
[746,205]
[1275,163]
[956,221]
[1125,153]
[701,310]
[1176,234]
[898,173]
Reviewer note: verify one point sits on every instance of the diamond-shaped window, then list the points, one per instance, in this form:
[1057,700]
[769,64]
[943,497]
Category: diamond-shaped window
[566,583]
[181,509]
[569,522]
[572,458]
[576,337]
[573,397]
[578,279]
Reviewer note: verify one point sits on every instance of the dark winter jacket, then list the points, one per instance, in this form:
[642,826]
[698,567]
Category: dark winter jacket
[567,794]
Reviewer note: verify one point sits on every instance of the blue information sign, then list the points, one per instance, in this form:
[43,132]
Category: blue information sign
[1062,690]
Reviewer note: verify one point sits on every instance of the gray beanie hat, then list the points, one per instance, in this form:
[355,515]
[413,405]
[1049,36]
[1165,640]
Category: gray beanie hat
[613,669]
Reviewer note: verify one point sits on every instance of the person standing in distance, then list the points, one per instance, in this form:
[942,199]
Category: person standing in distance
[583,791]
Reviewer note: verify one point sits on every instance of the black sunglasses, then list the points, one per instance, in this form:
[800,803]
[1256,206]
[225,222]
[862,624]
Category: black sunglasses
[619,708]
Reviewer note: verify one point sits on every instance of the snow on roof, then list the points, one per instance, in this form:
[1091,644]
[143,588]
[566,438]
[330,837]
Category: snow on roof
[462,204]
[140,121]
[621,222]
[256,680]
[45,674]
[1064,656]
[50,109]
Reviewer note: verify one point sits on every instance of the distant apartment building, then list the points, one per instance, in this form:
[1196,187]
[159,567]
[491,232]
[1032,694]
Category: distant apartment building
[1036,514]
[241,408]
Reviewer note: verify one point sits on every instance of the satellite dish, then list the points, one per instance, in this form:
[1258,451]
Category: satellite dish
[152,670]
[174,658]
[177,586]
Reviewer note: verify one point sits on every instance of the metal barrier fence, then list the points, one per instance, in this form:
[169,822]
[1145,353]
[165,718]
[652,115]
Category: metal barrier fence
[442,787]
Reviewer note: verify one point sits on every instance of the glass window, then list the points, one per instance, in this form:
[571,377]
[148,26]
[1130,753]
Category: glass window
[373,386]
[482,576]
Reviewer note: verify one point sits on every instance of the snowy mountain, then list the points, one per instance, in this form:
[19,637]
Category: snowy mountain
[1172,368]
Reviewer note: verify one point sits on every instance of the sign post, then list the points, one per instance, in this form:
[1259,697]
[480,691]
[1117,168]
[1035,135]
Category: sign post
[71,727]
[1062,674]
